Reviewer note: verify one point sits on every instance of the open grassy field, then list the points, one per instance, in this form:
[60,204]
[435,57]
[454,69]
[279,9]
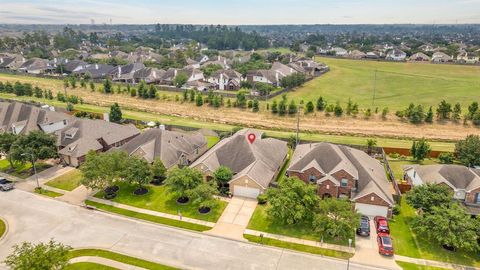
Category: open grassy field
[222,126]
[397,84]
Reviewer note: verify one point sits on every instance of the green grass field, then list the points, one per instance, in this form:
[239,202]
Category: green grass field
[159,199]
[397,84]
[68,181]
[411,266]
[3,228]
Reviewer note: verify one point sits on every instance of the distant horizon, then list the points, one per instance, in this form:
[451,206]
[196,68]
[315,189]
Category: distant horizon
[214,24]
[245,12]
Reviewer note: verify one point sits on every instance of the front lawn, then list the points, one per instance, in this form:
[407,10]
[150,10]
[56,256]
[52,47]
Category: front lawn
[261,222]
[159,199]
[68,181]
[22,170]
[298,247]
[407,243]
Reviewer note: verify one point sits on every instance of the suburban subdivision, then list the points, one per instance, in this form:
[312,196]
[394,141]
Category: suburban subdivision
[180,136]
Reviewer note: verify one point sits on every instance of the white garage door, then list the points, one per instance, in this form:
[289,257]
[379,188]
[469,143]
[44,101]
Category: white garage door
[246,192]
[371,210]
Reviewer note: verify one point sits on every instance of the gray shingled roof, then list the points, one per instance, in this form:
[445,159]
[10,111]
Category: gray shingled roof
[456,176]
[330,158]
[88,133]
[33,117]
[260,161]
[169,146]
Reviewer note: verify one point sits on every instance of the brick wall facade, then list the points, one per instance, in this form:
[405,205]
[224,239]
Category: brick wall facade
[367,199]
[327,189]
[471,196]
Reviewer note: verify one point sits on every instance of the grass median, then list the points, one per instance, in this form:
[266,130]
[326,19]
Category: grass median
[155,219]
[298,247]
[119,258]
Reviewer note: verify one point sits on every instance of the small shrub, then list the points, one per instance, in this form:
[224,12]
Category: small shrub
[446,158]
[262,199]
[396,210]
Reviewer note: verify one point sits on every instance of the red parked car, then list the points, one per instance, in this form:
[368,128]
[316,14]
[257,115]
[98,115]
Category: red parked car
[381,224]
[385,244]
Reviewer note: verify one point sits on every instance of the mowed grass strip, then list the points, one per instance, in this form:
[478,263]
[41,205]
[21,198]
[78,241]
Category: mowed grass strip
[47,193]
[88,266]
[411,266]
[160,199]
[3,227]
[298,247]
[67,181]
[396,86]
[155,219]
[119,258]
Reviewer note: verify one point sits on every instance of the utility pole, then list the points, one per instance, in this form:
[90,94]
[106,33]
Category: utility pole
[374,87]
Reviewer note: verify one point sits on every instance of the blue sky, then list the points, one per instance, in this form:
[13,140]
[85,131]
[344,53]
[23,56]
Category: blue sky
[241,12]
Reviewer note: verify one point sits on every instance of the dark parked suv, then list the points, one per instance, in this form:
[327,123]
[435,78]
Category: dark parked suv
[364,227]
[6,185]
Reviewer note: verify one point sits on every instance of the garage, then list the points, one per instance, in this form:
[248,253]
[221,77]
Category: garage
[246,191]
[371,210]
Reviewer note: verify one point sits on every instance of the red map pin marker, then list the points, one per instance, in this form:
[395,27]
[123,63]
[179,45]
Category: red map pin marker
[251,137]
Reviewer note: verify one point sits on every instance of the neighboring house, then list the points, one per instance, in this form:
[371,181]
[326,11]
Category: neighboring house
[372,55]
[11,61]
[219,60]
[463,181]
[341,52]
[168,76]
[344,172]
[440,57]
[419,57]
[198,85]
[312,68]
[126,73]
[73,65]
[272,76]
[20,118]
[149,75]
[254,165]
[35,66]
[173,148]
[95,71]
[84,135]
[468,58]
[192,74]
[356,54]
[226,79]
[396,55]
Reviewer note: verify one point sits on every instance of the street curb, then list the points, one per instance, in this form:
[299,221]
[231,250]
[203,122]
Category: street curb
[7,228]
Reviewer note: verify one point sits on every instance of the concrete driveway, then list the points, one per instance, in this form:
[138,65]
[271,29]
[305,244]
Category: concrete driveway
[235,218]
[366,251]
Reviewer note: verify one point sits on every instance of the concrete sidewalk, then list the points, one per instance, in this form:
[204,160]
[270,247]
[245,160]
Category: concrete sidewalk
[107,262]
[434,263]
[301,241]
[151,212]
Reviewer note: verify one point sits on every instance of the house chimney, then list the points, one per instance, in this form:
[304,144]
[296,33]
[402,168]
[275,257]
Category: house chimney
[154,74]
[66,61]
[55,60]
[96,66]
[119,71]
[277,76]
[1,60]
[175,73]
[221,83]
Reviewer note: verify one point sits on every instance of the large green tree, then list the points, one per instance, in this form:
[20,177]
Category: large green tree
[202,195]
[158,170]
[420,149]
[103,170]
[34,146]
[335,218]
[292,202]
[222,175]
[137,171]
[427,196]
[182,180]
[468,150]
[450,226]
[42,256]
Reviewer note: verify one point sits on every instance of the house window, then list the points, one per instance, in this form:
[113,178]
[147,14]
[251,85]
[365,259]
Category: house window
[372,198]
[344,182]
[477,198]
[312,178]
[328,187]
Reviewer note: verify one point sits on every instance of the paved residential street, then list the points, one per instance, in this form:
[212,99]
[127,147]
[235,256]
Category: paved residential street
[34,218]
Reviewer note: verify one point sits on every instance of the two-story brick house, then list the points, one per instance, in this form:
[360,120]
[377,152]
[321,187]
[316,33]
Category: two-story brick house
[344,172]
[463,181]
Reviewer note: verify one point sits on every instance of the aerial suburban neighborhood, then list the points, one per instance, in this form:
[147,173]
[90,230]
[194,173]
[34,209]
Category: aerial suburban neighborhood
[215,135]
